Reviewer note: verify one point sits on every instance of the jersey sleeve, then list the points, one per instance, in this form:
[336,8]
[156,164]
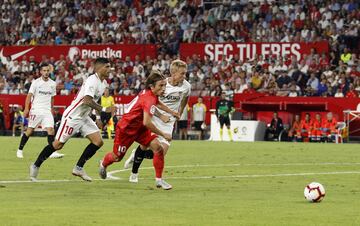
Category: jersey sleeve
[53,89]
[32,89]
[90,87]
[149,105]
[188,91]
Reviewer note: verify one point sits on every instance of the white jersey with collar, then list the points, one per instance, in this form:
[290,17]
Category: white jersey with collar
[172,99]
[42,92]
[93,87]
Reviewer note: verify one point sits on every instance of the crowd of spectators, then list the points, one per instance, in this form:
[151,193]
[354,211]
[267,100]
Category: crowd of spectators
[169,23]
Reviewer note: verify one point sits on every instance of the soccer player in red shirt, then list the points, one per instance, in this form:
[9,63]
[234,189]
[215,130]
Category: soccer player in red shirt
[306,125]
[136,125]
[329,127]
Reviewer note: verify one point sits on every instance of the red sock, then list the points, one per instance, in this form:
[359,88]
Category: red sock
[108,159]
[158,163]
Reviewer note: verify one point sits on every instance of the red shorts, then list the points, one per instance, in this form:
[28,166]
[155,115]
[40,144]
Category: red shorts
[123,140]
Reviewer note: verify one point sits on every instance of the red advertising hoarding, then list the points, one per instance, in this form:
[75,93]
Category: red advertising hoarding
[247,51]
[84,51]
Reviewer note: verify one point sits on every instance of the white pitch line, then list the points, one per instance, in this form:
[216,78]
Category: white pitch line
[265,175]
[112,177]
[196,177]
[249,164]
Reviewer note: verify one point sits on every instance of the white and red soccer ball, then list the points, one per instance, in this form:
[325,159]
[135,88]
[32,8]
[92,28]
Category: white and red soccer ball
[314,192]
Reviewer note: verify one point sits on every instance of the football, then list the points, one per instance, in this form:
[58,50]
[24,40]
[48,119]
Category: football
[314,192]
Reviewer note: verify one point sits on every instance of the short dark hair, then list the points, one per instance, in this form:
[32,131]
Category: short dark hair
[154,77]
[43,65]
[101,60]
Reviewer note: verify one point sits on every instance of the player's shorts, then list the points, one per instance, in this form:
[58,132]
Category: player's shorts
[183,124]
[224,120]
[197,125]
[123,140]
[68,127]
[164,127]
[45,120]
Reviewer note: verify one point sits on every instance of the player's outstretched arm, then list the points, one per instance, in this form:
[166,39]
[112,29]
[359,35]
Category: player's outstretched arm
[89,101]
[148,123]
[183,104]
[165,108]
[164,118]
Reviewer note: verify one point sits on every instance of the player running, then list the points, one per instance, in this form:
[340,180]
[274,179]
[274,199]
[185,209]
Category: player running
[136,125]
[41,96]
[176,96]
[76,118]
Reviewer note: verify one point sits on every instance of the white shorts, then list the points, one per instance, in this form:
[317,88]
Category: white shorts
[68,127]
[45,120]
[164,127]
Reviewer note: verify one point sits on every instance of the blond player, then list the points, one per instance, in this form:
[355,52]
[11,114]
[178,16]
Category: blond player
[176,96]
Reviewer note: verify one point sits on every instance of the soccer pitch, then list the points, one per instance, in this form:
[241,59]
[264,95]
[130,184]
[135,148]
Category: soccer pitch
[214,183]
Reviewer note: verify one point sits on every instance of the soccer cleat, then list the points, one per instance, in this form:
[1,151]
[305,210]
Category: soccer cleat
[163,184]
[102,170]
[130,161]
[80,172]
[56,155]
[19,154]
[133,178]
[34,171]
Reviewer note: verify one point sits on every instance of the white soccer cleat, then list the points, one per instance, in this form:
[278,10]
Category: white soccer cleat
[102,170]
[80,172]
[56,155]
[163,184]
[130,161]
[34,171]
[134,178]
[19,154]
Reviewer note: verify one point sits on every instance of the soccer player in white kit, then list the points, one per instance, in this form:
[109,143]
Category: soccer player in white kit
[76,118]
[176,96]
[41,96]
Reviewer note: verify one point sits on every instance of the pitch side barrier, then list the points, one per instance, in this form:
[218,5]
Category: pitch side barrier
[255,106]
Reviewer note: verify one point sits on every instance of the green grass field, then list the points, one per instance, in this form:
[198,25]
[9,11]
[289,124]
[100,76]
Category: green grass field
[215,183]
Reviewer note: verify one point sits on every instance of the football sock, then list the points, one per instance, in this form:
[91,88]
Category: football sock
[44,154]
[138,158]
[50,139]
[148,154]
[230,134]
[221,133]
[23,141]
[108,159]
[108,129]
[89,151]
[158,163]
